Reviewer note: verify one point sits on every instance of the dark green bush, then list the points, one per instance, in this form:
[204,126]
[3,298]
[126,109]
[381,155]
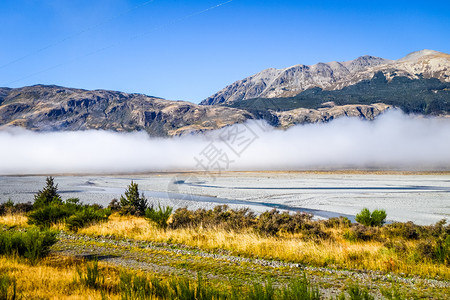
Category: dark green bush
[46,216]
[159,216]
[32,244]
[72,212]
[376,218]
[132,203]
[86,216]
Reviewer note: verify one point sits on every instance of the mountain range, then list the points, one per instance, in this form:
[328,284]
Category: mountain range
[364,87]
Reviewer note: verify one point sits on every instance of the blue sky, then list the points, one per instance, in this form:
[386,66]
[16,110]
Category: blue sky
[188,50]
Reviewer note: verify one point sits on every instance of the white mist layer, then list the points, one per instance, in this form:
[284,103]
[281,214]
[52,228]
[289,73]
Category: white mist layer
[392,141]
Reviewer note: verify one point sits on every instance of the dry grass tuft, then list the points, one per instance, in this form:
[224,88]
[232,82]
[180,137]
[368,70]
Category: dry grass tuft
[12,220]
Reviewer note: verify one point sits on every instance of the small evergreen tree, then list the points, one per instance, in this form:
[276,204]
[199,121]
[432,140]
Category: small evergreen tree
[132,203]
[48,195]
[376,218]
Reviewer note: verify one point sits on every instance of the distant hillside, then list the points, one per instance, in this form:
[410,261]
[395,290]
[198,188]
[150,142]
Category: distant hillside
[57,108]
[290,82]
[422,96]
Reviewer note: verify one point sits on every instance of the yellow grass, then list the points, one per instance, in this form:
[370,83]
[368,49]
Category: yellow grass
[340,253]
[53,278]
[11,220]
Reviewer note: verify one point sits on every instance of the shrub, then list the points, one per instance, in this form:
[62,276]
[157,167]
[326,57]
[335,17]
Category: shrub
[75,214]
[86,216]
[132,203]
[48,215]
[341,222]
[182,218]
[48,195]
[273,222]
[270,222]
[407,230]
[376,218]
[32,244]
[441,251]
[221,215]
[360,232]
[114,205]
[159,216]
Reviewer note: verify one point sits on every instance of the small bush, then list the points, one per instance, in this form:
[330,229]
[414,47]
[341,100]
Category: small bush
[341,222]
[75,214]
[46,216]
[132,203]
[274,222]
[114,205]
[360,232]
[159,216]
[407,230]
[221,216]
[32,244]
[376,218]
[86,216]
[441,251]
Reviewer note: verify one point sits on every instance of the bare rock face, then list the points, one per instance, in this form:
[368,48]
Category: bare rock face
[329,112]
[57,108]
[288,82]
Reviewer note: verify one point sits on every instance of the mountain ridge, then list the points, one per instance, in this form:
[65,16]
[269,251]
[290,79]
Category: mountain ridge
[290,81]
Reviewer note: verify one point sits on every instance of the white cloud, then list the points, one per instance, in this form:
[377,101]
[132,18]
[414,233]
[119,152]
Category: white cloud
[393,141]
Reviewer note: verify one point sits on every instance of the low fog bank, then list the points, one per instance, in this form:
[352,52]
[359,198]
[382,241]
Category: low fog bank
[392,141]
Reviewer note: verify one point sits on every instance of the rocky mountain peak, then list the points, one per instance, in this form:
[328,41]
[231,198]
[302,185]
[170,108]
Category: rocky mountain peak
[417,55]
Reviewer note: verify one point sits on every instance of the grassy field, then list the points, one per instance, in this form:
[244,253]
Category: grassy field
[58,277]
[64,249]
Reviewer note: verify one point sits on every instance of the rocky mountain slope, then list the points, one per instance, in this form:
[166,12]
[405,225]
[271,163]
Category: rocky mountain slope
[43,107]
[54,108]
[289,82]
